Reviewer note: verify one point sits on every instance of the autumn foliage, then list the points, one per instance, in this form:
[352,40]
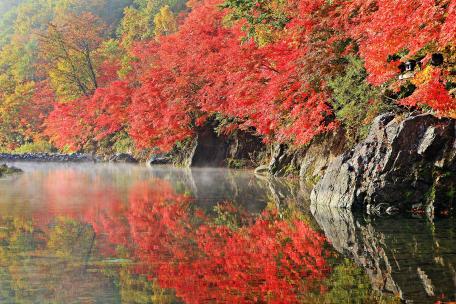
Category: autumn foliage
[262,65]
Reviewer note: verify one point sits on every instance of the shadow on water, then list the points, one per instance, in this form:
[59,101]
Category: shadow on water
[101,233]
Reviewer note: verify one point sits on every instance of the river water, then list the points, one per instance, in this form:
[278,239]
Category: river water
[100,233]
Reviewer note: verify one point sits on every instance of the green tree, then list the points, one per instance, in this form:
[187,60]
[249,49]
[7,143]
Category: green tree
[355,102]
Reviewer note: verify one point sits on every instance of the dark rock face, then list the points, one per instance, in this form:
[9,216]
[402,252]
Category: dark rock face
[47,157]
[407,164]
[415,263]
[123,158]
[209,149]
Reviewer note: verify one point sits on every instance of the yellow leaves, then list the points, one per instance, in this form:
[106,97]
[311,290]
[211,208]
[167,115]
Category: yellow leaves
[61,82]
[10,104]
[135,25]
[165,22]
[423,76]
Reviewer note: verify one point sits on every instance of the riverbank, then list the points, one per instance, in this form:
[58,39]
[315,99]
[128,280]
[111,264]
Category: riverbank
[47,157]
[407,163]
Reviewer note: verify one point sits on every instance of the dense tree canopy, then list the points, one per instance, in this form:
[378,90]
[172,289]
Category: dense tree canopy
[282,69]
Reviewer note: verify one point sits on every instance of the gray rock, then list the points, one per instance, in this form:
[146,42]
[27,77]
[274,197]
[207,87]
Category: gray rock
[123,158]
[408,164]
[319,154]
[309,162]
[160,159]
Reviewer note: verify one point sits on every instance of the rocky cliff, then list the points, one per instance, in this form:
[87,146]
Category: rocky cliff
[405,163]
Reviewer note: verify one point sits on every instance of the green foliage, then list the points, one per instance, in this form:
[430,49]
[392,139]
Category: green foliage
[355,102]
[35,147]
[264,17]
[138,21]
[123,143]
[350,285]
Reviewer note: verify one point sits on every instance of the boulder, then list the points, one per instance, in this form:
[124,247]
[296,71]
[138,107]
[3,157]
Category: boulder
[6,170]
[160,159]
[406,163]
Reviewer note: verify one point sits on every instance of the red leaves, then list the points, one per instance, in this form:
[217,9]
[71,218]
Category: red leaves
[108,108]
[385,28]
[278,89]
[203,69]
[435,95]
[66,127]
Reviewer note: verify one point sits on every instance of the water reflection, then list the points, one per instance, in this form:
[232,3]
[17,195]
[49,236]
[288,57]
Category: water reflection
[136,235]
[411,257]
[130,234]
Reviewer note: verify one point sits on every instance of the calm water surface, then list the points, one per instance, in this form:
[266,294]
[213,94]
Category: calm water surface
[98,233]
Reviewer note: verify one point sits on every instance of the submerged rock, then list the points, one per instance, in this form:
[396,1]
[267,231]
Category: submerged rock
[407,163]
[5,170]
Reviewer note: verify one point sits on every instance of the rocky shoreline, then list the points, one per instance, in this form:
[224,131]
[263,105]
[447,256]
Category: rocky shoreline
[406,163]
[70,158]
[47,157]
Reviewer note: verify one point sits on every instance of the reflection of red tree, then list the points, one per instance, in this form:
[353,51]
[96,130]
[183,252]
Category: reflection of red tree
[80,196]
[267,260]
[271,261]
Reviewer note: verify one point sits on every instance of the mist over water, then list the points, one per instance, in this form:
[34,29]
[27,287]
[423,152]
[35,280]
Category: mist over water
[104,233]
